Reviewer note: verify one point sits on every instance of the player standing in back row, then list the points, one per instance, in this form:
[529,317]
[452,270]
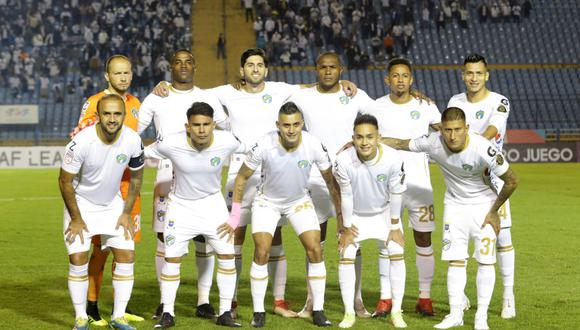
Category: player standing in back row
[487,114]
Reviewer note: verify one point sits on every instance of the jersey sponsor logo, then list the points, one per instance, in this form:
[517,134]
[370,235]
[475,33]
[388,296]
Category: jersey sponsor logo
[467,167]
[135,113]
[415,114]
[344,100]
[121,158]
[491,151]
[499,160]
[381,178]
[84,110]
[161,216]
[169,240]
[504,102]
[479,114]
[502,109]
[215,161]
[446,244]
[267,98]
[303,164]
[171,223]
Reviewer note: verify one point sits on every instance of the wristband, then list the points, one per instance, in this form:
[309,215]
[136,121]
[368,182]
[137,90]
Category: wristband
[235,214]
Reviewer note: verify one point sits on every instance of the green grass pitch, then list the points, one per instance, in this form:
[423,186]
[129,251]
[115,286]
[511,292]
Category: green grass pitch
[545,210]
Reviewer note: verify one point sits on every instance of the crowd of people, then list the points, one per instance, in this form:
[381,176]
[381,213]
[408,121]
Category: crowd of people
[44,44]
[364,32]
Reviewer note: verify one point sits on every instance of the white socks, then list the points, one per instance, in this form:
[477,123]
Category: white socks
[485,284]
[397,274]
[358,272]
[506,257]
[78,286]
[259,284]
[456,280]
[238,256]
[384,271]
[317,283]
[347,280]
[205,261]
[425,262]
[159,260]
[226,281]
[170,279]
[122,285]
[277,266]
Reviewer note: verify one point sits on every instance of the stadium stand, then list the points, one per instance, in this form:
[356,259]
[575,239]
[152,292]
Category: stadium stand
[52,51]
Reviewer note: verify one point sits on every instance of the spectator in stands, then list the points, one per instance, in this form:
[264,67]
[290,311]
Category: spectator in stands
[58,90]
[15,85]
[249,10]
[494,12]
[482,11]
[526,8]
[221,47]
[397,32]
[389,43]
[506,10]
[44,85]
[285,59]
[425,17]
[376,45]
[408,31]
[516,12]
[258,25]
[463,18]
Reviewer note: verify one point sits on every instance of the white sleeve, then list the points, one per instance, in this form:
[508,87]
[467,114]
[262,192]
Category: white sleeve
[219,115]
[322,159]
[254,157]
[496,162]
[363,99]
[73,157]
[500,114]
[146,113]
[152,151]
[434,115]
[287,90]
[395,204]
[346,196]
[422,144]
[397,183]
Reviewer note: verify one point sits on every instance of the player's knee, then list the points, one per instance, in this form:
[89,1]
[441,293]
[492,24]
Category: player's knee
[349,252]
[422,239]
[314,253]
[79,259]
[240,235]
[261,254]
[124,256]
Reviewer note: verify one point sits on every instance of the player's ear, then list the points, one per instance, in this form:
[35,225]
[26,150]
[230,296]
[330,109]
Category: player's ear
[241,72]
[486,75]
[386,80]
[106,75]
[186,126]
[266,73]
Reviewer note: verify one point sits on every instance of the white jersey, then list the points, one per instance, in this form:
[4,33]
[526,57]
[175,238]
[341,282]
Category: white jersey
[197,173]
[100,166]
[330,116]
[464,171]
[285,174]
[170,113]
[493,110]
[252,115]
[407,121]
[372,181]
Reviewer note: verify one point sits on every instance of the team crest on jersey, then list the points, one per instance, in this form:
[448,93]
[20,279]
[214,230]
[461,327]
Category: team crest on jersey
[479,114]
[303,164]
[467,167]
[68,156]
[215,161]
[135,113]
[344,100]
[121,158]
[381,178]
[161,216]
[491,151]
[502,109]
[267,98]
[169,240]
[170,223]
[415,114]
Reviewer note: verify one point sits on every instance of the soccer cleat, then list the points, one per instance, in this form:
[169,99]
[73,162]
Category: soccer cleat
[347,321]
[320,319]
[397,320]
[306,311]
[360,310]
[94,316]
[384,307]
[234,309]
[226,320]
[281,308]
[120,323]
[450,321]
[480,321]
[508,310]
[129,316]
[424,306]
[158,312]
[165,321]
[259,320]
[466,303]
[81,324]
[205,311]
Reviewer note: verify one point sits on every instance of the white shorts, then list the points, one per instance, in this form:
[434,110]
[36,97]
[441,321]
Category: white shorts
[163,184]
[250,192]
[100,220]
[462,223]
[187,219]
[320,197]
[418,198]
[300,213]
[505,215]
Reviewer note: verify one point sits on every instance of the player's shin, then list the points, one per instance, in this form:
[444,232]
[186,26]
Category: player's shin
[347,278]
[277,266]
[78,284]
[317,283]
[123,286]
[205,261]
[506,260]
[170,278]
[259,284]
[397,274]
[425,262]
[485,284]
[384,270]
[226,281]
[456,280]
